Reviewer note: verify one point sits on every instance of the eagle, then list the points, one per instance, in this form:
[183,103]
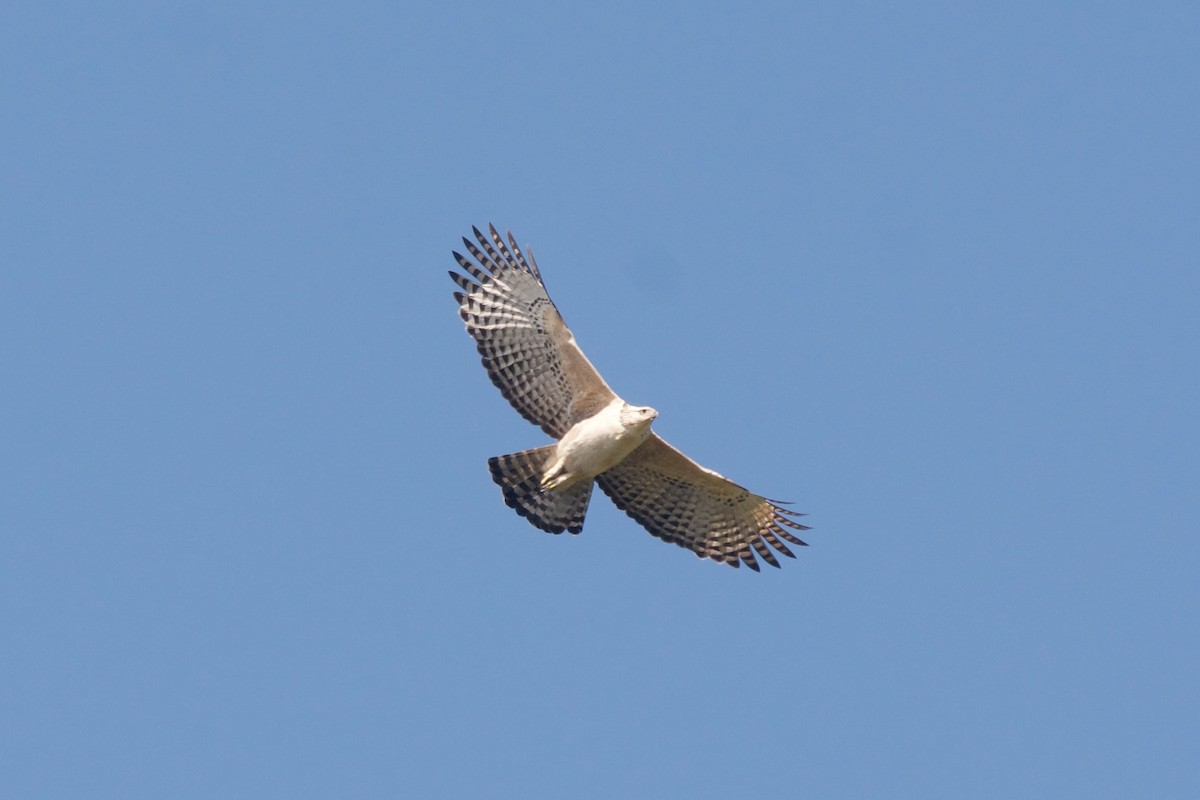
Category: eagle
[532,358]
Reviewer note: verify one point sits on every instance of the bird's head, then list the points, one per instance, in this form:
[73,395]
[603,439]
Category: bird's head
[637,416]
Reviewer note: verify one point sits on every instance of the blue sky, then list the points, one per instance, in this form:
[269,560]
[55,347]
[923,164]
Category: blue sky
[928,270]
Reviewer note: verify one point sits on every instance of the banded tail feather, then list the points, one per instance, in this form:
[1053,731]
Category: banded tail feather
[519,475]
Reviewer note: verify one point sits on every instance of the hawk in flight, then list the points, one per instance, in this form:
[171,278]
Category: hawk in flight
[533,359]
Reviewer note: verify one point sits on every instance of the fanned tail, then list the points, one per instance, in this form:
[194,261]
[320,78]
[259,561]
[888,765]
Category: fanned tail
[519,475]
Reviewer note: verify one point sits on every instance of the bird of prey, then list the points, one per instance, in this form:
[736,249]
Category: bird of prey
[532,358]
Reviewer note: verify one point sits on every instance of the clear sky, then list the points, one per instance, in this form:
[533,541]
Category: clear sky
[930,271]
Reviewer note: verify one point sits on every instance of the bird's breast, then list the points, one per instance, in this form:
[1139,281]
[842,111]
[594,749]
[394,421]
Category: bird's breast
[598,444]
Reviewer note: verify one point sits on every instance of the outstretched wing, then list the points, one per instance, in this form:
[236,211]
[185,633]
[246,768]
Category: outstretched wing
[527,349]
[680,501]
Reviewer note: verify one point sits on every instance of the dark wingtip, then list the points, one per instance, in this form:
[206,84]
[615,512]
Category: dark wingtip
[533,267]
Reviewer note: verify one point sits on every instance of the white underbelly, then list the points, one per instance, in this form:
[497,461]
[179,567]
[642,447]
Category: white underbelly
[589,455]
[596,445]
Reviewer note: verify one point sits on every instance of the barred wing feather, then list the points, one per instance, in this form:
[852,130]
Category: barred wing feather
[680,501]
[528,351]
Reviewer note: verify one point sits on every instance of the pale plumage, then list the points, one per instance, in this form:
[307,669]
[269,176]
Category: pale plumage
[533,359]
